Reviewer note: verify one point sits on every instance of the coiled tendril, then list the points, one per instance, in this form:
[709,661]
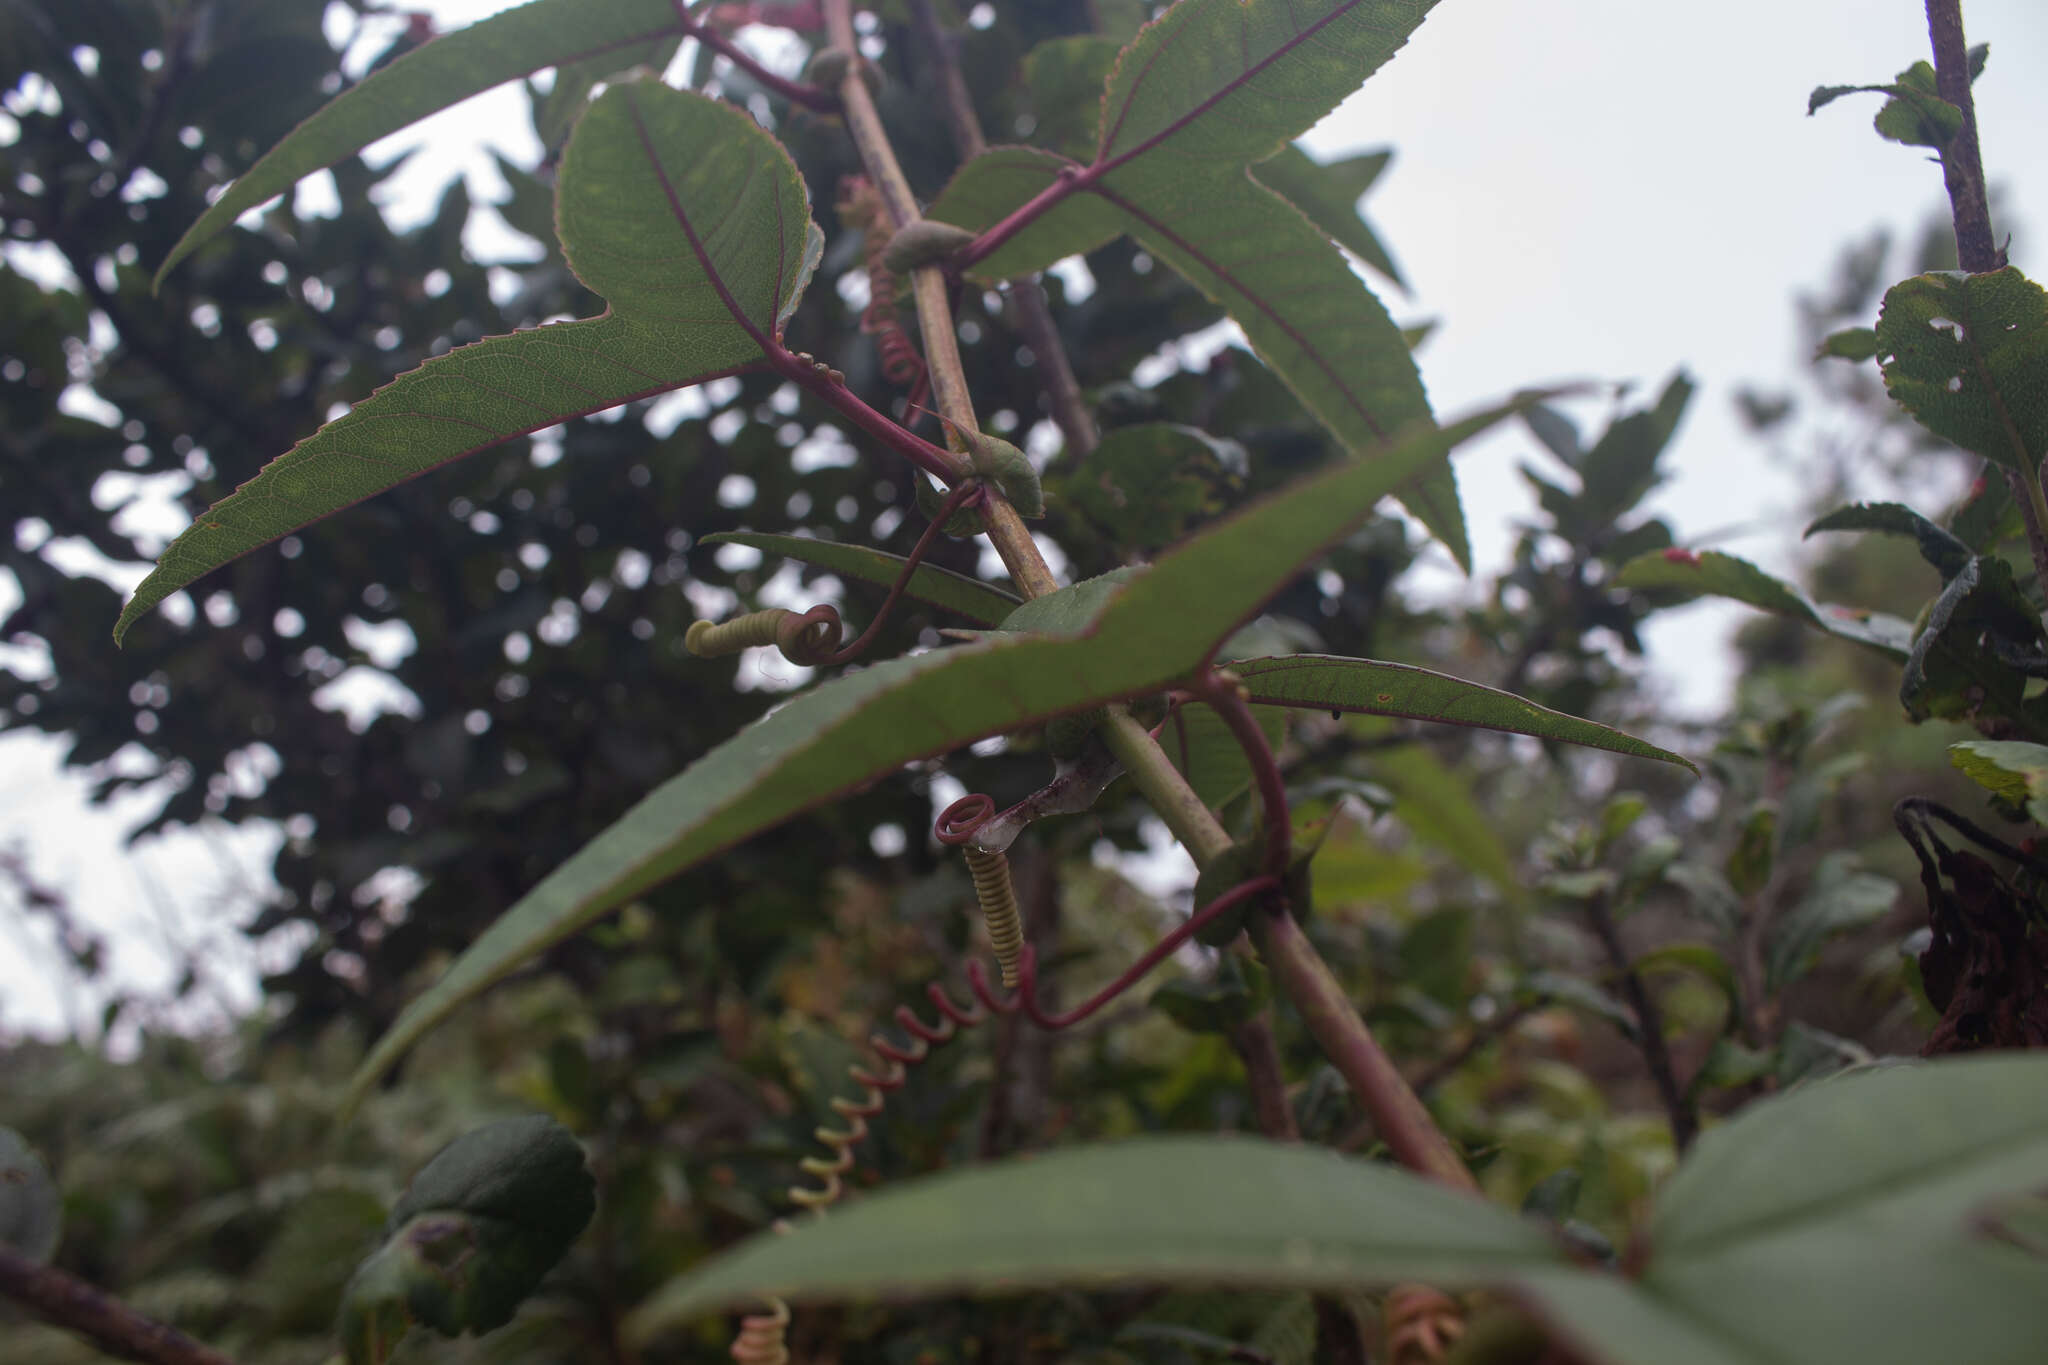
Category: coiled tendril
[860,206]
[990,868]
[762,1339]
[806,638]
[876,1087]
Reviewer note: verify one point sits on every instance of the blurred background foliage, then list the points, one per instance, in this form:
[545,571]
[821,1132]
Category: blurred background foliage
[1573,956]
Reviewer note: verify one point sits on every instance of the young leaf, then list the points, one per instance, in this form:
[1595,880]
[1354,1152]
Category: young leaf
[1233,1210]
[1325,683]
[2013,771]
[688,218]
[1964,354]
[1161,625]
[1711,573]
[1203,93]
[982,603]
[449,69]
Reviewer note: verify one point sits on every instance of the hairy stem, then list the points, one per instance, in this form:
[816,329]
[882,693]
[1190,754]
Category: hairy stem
[1301,972]
[1006,529]
[112,1325]
[1153,773]
[1028,306]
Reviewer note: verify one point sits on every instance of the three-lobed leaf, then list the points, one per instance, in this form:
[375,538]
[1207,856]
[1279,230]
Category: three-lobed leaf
[1201,95]
[1157,628]
[688,218]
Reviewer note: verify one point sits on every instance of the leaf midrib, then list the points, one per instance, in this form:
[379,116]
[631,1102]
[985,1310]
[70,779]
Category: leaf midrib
[1102,167]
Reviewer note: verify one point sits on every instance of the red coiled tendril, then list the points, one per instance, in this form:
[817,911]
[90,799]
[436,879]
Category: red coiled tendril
[902,365]
[957,825]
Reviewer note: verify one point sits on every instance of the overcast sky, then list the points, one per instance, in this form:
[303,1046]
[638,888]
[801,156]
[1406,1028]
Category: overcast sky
[1604,189]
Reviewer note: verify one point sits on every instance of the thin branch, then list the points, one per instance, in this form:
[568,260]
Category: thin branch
[1028,306]
[796,92]
[1410,1133]
[1264,1077]
[1962,161]
[112,1325]
[1225,696]
[1685,1123]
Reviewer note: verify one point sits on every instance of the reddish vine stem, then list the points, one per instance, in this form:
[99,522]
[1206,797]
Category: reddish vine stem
[92,1312]
[961,494]
[937,461]
[796,92]
[1224,695]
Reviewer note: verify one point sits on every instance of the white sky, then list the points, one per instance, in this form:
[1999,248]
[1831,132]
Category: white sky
[1603,189]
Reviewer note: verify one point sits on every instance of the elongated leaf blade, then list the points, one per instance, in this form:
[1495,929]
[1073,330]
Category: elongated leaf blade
[445,71]
[651,216]
[1327,683]
[1157,628]
[1965,355]
[982,603]
[1233,1210]
[1855,1219]
[1709,573]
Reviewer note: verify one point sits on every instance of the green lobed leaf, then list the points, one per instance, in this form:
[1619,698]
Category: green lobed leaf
[1330,193]
[982,603]
[1201,94]
[1065,77]
[647,180]
[445,71]
[1710,573]
[1234,1210]
[1327,683]
[1621,467]
[1842,1222]
[861,725]
[1965,355]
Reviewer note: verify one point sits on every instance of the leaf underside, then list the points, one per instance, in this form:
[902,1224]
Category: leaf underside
[1202,95]
[982,603]
[1158,628]
[1851,1219]
[1710,573]
[446,71]
[1965,354]
[1327,683]
[695,275]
